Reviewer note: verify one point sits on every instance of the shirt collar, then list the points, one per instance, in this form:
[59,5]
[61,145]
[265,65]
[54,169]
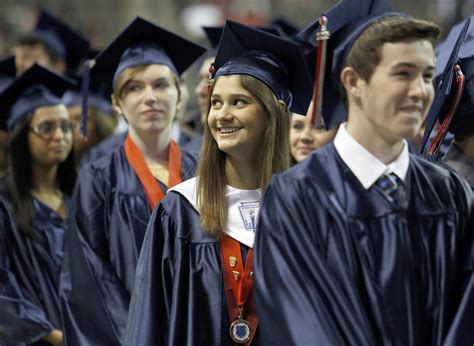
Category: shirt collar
[365,166]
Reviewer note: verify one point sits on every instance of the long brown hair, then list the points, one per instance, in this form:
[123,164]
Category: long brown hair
[19,182]
[273,152]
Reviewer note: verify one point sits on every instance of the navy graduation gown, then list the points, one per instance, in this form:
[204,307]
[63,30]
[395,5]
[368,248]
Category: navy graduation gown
[103,148]
[178,297]
[335,264]
[109,216]
[30,272]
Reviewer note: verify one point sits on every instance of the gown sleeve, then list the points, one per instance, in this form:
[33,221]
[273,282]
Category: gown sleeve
[299,301]
[461,331]
[150,307]
[93,298]
[21,321]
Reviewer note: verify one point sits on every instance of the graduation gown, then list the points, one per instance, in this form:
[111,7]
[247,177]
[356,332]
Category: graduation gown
[103,148]
[30,274]
[178,297]
[336,264]
[109,216]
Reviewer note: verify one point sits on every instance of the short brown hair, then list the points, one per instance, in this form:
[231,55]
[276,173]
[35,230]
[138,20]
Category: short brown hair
[365,54]
[273,150]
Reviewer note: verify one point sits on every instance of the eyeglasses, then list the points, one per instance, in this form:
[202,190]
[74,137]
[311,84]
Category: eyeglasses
[47,129]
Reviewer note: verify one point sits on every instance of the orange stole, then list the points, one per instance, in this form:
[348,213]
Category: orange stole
[150,185]
[238,291]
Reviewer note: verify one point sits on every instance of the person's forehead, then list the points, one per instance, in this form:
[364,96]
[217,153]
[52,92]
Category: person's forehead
[405,53]
[37,48]
[229,84]
[153,71]
[49,113]
[74,111]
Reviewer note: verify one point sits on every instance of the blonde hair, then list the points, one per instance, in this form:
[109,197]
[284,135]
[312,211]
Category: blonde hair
[273,151]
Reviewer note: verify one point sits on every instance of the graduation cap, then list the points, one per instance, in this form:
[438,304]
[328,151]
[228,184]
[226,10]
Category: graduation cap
[345,22]
[7,71]
[67,43]
[99,96]
[214,33]
[277,62]
[290,29]
[36,87]
[140,43]
[454,95]
[145,43]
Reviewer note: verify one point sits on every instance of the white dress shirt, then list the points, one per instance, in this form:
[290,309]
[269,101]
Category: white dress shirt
[365,166]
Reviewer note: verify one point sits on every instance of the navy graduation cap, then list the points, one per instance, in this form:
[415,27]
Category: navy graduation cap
[67,43]
[290,29]
[36,87]
[454,93]
[99,96]
[345,23]
[140,43]
[214,33]
[143,43]
[275,61]
[7,71]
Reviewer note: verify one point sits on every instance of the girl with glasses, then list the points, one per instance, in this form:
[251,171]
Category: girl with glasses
[34,209]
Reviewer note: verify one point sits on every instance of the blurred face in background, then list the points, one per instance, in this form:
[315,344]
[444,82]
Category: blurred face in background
[304,138]
[27,55]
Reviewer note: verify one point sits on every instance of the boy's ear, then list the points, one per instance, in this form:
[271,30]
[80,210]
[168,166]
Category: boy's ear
[350,81]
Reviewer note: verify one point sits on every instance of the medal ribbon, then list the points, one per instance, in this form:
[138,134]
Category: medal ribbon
[238,289]
[152,189]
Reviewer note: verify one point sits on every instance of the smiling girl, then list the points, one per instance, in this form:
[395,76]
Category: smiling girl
[194,277]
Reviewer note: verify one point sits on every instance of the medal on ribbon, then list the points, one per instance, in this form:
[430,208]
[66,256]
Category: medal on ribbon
[238,290]
[240,330]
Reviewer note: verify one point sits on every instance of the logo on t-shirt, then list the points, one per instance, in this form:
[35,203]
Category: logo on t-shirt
[248,213]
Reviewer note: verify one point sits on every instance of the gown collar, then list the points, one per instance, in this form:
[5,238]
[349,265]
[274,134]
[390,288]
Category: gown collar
[243,207]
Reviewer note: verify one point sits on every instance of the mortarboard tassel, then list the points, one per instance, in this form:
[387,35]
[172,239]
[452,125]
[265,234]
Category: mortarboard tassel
[438,138]
[88,64]
[322,36]
[209,82]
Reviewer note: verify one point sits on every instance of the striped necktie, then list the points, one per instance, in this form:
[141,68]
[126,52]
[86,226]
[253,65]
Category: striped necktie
[393,188]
